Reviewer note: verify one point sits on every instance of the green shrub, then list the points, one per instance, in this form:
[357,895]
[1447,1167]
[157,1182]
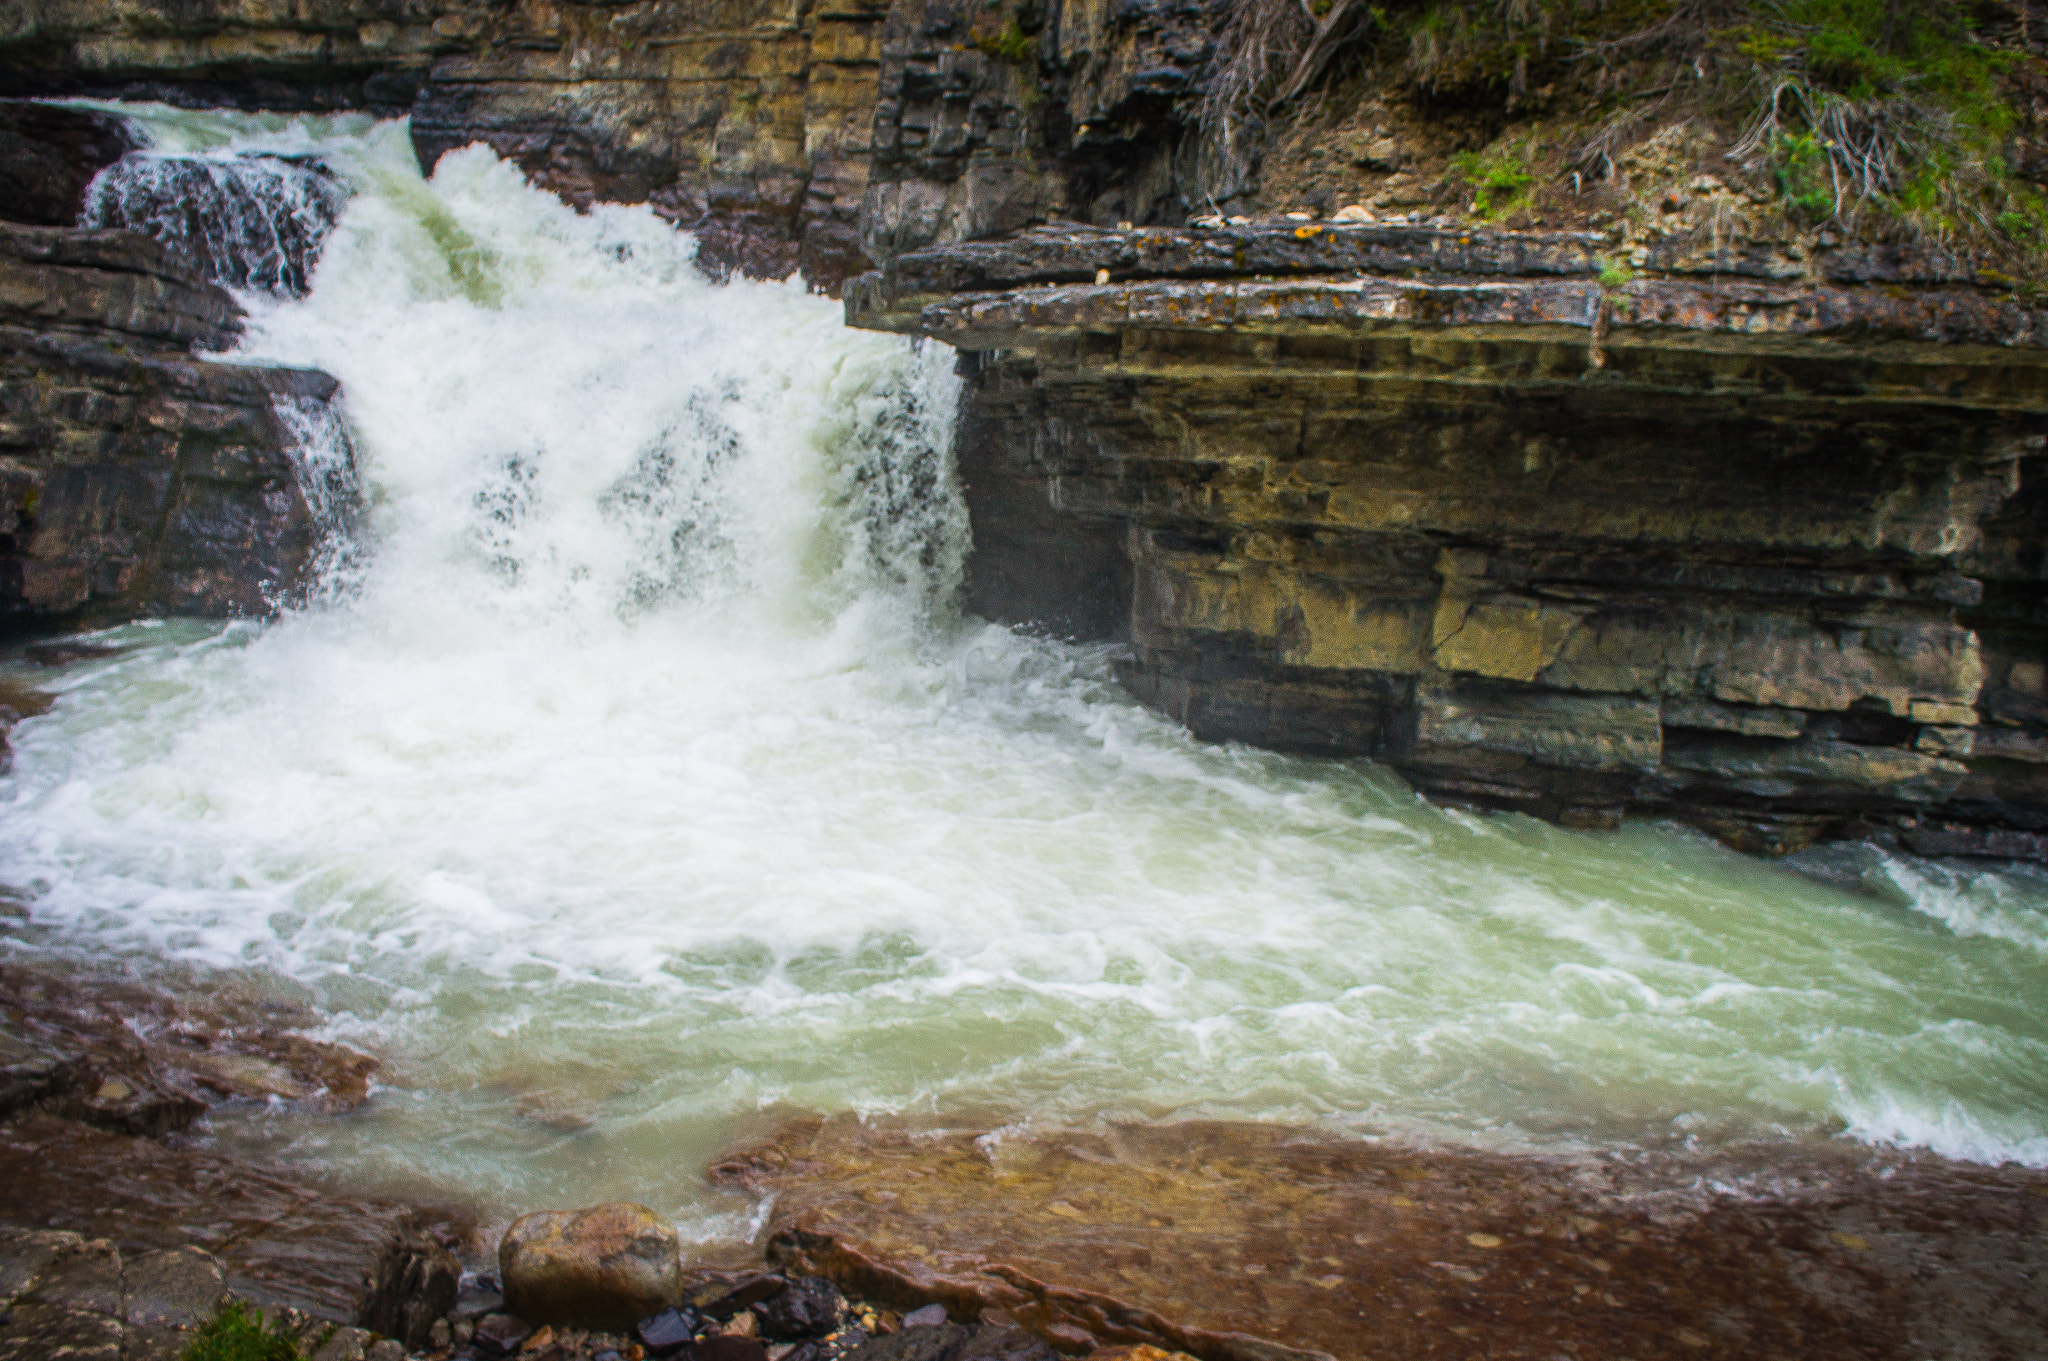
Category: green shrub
[1500,178]
[238,1333]
[1615,274]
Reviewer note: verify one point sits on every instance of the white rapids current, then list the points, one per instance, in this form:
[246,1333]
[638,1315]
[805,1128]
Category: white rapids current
[640,776]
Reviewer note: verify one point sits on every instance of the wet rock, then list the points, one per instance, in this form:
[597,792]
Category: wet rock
[1250,1243]
[48,155]
[125,1104]
[474,1299]
[281,1242]
[346,1344]
[501,1334]
[1004,1342]
[415,1284]
[939,1341]
[26,1254]
[87,1031]
[604,1267]
[722,1296]
[39,1332]
[667,1332]
[256,221]
[810,1307]
[1671,648]
[139,479]
[87,1277]
[722,1348]
[178,1287]
[387,1349]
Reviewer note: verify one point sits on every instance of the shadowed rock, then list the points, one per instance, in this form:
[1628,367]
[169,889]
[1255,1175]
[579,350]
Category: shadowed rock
[48,157]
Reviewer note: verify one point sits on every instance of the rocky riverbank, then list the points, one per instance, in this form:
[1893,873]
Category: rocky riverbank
[121,1235]
[123,1230]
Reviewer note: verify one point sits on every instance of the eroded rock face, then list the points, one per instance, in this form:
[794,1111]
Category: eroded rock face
[1244,1242]
[136,478]
[1748,553]
[608,1266]
[64,1295]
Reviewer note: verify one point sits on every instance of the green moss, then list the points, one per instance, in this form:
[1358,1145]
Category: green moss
[1500,177]
[238,1333]
[1013,45]
[1616,274]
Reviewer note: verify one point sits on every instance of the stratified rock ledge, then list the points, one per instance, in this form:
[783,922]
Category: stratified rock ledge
[1540,530]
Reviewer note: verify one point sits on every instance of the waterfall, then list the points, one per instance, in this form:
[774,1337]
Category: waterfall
[248,220]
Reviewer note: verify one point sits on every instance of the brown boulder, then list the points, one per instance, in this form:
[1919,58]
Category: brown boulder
[602,1267]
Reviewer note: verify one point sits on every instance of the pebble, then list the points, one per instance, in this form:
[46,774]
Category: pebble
[501,1334]
[931,1316]
[667,1332]
[810,1307]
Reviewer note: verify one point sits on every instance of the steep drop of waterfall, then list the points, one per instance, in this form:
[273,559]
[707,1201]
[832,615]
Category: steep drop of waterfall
[643,776]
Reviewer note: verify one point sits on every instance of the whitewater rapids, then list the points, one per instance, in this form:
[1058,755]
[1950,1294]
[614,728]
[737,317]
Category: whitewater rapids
[635,774]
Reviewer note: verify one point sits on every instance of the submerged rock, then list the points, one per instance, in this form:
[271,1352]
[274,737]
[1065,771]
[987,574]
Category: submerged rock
[607,1266]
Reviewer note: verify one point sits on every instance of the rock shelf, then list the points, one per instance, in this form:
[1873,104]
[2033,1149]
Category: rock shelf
[1538,529]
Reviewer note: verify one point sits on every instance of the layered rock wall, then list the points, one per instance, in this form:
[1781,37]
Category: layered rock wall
[752,122]
[136,478]
[745,120]
[1764,556]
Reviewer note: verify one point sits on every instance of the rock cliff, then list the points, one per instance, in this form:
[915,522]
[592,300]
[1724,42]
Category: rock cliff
[1761,556]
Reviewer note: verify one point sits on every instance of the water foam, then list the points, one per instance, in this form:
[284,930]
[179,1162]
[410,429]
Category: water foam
[646,778]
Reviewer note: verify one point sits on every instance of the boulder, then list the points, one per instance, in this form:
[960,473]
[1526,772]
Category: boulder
[607,1266]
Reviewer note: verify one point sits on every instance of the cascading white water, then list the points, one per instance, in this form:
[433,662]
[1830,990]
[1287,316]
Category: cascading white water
[247,220]
[643,777]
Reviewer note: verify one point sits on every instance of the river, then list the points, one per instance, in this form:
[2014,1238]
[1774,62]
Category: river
[633,776]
